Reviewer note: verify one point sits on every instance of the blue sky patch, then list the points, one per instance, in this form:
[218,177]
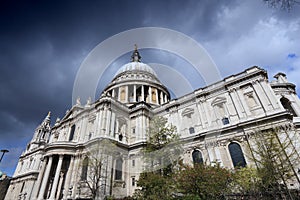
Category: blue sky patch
[291,55]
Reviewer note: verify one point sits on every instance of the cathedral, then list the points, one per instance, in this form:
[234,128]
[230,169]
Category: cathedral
[214,124]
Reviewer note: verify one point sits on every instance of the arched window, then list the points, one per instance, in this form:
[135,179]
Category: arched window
[84,170]
[287,105]
[72,133]
[118,170]
[237,155]
[197,157]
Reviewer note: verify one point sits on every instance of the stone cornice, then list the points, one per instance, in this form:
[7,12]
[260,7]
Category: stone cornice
[246,77]
[249,124]
[26,176]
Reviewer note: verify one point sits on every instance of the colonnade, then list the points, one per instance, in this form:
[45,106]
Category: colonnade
[54,173]
[138,93]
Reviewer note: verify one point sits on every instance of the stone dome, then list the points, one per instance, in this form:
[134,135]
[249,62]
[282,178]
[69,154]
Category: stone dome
[136,82]
[136,67]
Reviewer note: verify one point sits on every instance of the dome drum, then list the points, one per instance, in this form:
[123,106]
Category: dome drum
[133,93]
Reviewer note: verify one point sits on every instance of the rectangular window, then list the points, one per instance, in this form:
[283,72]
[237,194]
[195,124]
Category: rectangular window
[133,181]
[133,130]
[133,163]
[191,130]
[225,121]
[72,133]
[118,170]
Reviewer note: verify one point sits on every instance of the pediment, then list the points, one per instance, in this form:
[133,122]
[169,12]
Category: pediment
[70,114]
[218,100]
[187,112]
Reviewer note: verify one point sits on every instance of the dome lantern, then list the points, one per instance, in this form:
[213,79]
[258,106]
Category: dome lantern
[135,57]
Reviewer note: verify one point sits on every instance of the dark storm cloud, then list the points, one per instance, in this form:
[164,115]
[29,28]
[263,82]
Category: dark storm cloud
[42,44]
[190,17]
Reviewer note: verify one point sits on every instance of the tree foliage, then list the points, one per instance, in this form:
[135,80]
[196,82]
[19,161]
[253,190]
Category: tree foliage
[98,155]
[161,154]
[282,4]
[160,134]
[163,149]
[154,186]
[246,181]
[203,181]
[274,154]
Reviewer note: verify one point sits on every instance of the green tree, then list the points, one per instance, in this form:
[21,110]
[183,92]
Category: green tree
[97,156]
[203,181]
[163,149]
[161,153]
[274,154]
[154,186]
[246,181]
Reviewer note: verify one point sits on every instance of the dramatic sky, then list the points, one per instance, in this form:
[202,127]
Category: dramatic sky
[43,43]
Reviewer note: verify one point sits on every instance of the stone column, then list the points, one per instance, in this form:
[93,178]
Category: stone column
[119,95]
[150,94]
[113,93]
[56,178]
[143,94]
[61,178]
[39,180]
[117,128]
[68,178]
[161,98]
[156,92]
[45,179]
[127,94]
[74,179]
[134,93]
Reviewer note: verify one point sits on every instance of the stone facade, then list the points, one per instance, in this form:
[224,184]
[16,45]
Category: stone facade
[212,122]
